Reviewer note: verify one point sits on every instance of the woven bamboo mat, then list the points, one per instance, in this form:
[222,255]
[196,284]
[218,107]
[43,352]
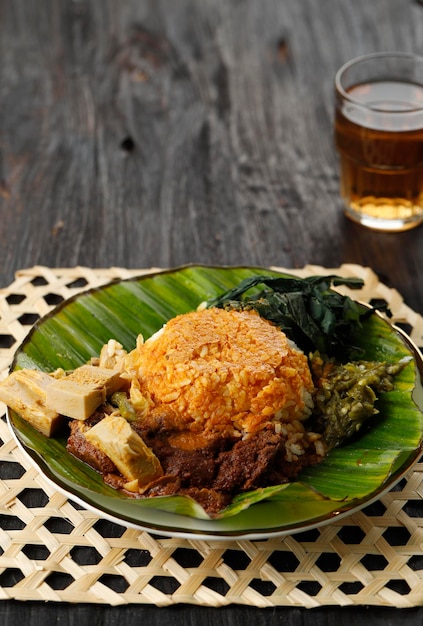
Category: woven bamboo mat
[54,550]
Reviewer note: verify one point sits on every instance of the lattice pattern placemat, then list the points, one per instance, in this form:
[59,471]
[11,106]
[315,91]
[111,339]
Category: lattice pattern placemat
[55,550]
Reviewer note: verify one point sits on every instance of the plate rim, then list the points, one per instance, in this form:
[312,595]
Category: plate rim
[164,530]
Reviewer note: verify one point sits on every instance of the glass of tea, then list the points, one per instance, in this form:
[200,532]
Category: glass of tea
[379,138]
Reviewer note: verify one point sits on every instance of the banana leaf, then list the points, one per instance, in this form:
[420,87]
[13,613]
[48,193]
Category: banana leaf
[347,479]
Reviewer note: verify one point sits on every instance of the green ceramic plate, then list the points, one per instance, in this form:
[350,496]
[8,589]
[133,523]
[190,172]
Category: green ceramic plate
[350,478]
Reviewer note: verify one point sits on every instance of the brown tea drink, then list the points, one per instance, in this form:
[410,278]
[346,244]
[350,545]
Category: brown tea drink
[379,137]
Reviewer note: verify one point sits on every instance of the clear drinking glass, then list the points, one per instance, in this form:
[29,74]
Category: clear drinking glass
[379,138]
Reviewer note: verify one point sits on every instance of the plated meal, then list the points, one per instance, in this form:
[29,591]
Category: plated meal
[218,393]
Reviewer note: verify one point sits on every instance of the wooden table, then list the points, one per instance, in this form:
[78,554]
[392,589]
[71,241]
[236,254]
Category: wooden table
[142,133]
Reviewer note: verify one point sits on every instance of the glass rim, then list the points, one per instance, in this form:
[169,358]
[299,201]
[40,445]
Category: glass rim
[368,57]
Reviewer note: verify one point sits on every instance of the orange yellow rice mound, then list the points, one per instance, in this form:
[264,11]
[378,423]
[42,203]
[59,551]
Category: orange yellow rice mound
[222,373]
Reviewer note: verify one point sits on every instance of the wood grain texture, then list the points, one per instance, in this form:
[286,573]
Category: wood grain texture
[160,132]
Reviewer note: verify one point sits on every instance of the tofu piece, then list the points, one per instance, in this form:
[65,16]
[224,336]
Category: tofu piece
[80,393]
[24,391]
[115,437]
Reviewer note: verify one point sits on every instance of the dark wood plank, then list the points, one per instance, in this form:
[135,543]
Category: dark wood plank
[72,615]
[126,129]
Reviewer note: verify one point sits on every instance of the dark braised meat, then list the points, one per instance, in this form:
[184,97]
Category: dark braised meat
[194,468]
[212,475]
[248,463]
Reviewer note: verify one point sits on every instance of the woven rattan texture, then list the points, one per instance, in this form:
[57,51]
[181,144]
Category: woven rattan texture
[54,550]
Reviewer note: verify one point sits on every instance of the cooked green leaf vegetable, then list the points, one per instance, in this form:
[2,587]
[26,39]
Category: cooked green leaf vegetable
[346,395]
[306,309]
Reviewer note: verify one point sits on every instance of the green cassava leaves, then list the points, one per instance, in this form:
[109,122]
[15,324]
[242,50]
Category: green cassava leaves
[306,309]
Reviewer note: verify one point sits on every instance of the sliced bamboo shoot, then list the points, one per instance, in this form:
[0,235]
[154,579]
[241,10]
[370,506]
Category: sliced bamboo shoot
[80,393]
[24,391]
[114,436]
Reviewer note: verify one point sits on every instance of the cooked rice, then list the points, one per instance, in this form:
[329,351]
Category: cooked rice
[225,373]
